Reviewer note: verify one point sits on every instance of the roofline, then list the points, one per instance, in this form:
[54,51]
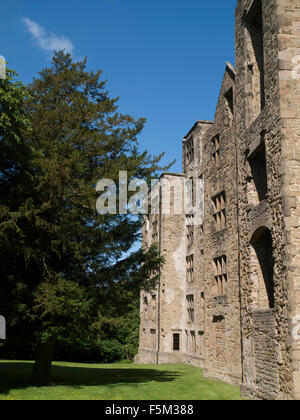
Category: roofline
[195,125]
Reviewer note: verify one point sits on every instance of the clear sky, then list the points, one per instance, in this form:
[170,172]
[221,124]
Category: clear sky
[164,58]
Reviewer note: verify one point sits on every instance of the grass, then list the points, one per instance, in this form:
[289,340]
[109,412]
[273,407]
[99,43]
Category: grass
[74,381]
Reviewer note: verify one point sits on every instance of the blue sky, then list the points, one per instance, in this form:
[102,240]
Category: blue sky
[164,58]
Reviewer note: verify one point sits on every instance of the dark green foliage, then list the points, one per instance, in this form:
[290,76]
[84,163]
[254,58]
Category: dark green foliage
[63,272]
[110,351]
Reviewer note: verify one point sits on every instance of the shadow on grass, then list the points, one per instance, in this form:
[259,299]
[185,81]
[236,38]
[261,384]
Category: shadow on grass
[17,376]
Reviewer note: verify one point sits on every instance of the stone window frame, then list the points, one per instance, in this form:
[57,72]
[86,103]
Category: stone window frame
[190,268]
[191,191]
[216,141]
[190,229]
[189,151]
[254,29]
[176,338]
[220,275]
[256,167]
[191,307]
[261,255]
[193,342]
[219,212]
[190,299]
[191,314]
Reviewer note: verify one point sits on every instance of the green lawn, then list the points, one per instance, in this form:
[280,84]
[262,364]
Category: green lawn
[74,381]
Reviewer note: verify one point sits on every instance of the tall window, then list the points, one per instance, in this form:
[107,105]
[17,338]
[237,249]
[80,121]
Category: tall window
[229,111]
[189,151]
[257,186]
[255,59]
[220,268]
[190,229]
[193,342]
[191,314]
[176,342]
[216,148]
[262,269]
[219,202]
[190,269]
[191,309]
[191,192]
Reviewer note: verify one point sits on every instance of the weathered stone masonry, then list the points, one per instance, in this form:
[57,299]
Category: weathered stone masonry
[229,292]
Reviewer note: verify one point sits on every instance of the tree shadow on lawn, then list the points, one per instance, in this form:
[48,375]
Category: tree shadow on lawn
[17,376]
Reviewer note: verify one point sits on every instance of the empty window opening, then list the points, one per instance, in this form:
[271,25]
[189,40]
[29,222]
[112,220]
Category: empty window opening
[229,109]
[190,235]
[257,175]
[191,314]
[193,342]
[190,269]
[190,299]
[176,342]
[191,193]
[220,275]
[219,202]
[189,151]
[262,270]
[190,230]
[216,150]
[190,309]
[255,59]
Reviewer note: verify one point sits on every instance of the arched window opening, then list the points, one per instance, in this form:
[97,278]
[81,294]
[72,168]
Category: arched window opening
[262,270]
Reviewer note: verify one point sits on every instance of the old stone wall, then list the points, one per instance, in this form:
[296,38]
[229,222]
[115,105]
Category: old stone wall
[287,18]
[229,294]
[194,300]
[220,237]
[259,138]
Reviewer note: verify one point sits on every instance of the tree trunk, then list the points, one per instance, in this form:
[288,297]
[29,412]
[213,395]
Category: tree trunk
[43,365]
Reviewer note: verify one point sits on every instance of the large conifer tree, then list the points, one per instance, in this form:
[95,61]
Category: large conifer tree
[66,252]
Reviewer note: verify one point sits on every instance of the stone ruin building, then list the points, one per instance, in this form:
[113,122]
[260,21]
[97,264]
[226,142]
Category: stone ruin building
[228,297]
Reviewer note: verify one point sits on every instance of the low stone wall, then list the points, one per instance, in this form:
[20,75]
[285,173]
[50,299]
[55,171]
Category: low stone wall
[150,357]
[222,376]
[145,357]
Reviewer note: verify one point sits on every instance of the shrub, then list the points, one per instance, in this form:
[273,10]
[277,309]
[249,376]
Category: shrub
[110,351]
